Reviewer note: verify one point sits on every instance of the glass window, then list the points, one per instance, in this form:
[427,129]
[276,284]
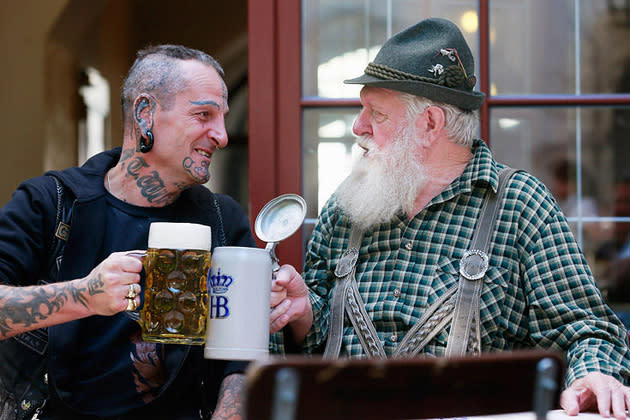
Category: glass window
[534,48]
[341,37]
[328,151]
[604,56]
[580,157]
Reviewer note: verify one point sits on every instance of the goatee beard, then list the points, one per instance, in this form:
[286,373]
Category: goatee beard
[383,183]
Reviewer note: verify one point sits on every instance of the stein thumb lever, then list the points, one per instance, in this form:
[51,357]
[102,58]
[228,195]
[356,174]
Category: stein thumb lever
[275,263]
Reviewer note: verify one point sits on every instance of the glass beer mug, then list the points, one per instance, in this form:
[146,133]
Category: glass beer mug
[177,263]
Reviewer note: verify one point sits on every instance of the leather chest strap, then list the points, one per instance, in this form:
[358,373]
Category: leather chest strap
[472,268]
[344,271]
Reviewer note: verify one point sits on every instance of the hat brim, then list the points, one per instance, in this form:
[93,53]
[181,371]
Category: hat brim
[466,100]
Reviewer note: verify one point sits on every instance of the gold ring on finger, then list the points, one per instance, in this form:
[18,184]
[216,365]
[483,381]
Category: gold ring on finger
[131,305]
[132,292]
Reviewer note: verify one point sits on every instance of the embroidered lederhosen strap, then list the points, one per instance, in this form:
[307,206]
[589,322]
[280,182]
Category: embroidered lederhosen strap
[472,268]
[344,271]
[346,298]
[363,326]
[434,319]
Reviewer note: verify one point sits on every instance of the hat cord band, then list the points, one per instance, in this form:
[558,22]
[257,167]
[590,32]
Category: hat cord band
[385,72]
[453,76]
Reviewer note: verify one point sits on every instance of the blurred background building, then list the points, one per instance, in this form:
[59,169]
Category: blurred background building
[556,75]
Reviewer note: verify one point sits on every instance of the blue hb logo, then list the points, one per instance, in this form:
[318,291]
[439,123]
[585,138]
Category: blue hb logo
[219,283]
[219,307]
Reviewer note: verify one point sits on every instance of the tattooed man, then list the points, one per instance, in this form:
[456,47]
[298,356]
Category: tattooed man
[174,101]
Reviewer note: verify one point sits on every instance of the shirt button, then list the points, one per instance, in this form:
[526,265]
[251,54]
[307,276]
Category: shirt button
[393,338]
[409,246]
[396,292]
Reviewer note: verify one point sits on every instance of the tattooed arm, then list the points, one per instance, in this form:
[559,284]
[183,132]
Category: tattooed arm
[231,401]
[102,292]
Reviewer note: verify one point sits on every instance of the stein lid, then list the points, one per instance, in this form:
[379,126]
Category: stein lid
[280,218]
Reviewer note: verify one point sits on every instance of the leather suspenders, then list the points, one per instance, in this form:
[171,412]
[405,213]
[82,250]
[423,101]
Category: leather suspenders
[472,269]
[344,272]
[459,306]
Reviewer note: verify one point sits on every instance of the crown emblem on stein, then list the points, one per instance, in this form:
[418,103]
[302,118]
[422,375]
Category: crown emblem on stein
[219,283]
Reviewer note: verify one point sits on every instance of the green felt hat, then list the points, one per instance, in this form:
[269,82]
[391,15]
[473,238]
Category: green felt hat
[429,59]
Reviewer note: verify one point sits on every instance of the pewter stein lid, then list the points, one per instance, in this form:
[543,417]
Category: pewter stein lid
[280,218]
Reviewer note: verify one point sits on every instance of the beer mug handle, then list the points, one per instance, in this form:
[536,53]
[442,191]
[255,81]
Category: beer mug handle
[135,315]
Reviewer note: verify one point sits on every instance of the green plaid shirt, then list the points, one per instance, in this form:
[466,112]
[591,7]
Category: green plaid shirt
[538,292]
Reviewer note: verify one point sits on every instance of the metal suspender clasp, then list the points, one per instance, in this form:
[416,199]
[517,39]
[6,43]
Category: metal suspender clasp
[474,264]
[346,262]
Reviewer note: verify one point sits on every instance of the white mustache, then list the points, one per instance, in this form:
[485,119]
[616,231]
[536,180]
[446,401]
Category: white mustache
[367,144]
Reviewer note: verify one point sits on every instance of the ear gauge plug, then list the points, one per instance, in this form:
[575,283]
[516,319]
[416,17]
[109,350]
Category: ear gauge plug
[146,143]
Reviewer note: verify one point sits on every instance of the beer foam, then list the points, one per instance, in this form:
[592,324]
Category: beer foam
[179,236]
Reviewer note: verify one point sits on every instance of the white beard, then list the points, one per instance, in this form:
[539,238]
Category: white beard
[385,182]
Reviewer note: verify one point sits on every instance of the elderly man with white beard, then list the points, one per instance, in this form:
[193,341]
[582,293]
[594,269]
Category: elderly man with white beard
[398,253]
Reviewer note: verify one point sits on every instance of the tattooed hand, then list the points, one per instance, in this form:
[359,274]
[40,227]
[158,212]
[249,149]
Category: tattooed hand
[105,289]
[102,292]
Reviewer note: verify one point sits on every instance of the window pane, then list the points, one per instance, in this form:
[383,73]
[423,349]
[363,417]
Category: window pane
[605,58]
[532,47]
[341,37]
[580,156]
[328,150]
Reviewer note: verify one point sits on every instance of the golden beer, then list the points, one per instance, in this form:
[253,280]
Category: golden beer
[175,308]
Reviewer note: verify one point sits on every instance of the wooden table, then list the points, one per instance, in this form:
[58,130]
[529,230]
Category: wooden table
[299,388]
[552,415]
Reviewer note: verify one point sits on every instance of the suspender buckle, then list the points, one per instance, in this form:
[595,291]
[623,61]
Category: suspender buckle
[346,262]
[474,264]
